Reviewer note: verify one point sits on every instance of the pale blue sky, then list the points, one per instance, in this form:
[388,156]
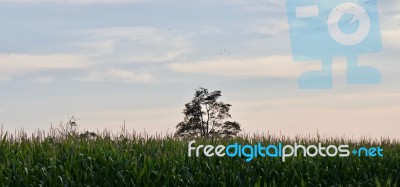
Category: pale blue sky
[108,61]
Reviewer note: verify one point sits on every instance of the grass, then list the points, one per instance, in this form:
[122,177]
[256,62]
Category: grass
[59,159]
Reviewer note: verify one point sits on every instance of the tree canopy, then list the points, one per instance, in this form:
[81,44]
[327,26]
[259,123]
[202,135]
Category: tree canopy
[205,117]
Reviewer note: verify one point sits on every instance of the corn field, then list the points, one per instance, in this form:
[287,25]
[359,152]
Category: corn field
[130,159]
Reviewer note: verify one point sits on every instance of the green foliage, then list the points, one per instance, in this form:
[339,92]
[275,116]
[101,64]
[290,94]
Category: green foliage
[138,160]
[205,117]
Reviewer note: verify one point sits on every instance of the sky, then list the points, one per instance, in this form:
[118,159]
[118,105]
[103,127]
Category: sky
[116,62]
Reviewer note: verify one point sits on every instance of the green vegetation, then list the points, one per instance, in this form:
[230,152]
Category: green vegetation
[205,116]
[67,159]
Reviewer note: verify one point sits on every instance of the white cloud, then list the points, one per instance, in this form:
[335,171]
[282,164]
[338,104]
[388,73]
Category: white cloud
[127,45]
[165,56]
[16,64]
[44,80]
[117,75]
[134,44]
[390,25]
[391,38]
[269,27]
[97,47]
[273,66]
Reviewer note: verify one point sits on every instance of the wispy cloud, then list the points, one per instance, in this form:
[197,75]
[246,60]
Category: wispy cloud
[269,27]
[272,66]
[44,79]
[391,38]
[134,44]
[117,75]
[391,31]
[129,46]
[17,64]
[93,49]
[12,65]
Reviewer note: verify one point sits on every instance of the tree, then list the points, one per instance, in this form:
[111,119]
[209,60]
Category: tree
[205,117]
